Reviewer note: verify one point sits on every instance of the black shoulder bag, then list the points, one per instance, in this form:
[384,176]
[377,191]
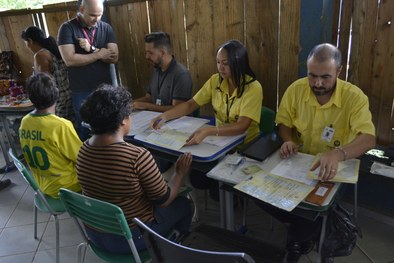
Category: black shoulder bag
[341,232]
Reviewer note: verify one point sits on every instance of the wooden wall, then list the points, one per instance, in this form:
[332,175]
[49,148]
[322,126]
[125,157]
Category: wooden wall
[270,29]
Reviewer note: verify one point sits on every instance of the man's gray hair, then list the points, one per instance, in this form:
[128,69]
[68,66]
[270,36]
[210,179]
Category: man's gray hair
[324,52]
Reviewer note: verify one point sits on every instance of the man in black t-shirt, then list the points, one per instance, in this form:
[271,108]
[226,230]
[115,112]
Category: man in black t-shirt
[88,47]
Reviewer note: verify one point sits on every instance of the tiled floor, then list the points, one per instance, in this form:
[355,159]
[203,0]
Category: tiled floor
[18,245]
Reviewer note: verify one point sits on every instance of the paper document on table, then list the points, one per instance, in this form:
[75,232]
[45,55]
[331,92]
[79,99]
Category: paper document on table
[296,168]
[174,134]
[347,171]
[185,124]
[234,169]
[169,139]
[220,140]
[140,121]
[275,190]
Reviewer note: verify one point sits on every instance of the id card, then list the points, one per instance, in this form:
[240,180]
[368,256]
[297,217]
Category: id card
[328,133]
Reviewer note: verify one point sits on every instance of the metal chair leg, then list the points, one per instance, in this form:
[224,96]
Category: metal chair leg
[355,202]
[35,222]
[57,239]
[322,237]
[81,252]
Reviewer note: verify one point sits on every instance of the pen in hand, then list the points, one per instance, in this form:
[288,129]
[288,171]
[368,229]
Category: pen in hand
[156,123]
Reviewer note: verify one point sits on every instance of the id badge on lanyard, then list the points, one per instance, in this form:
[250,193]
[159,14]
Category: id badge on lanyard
[328,133]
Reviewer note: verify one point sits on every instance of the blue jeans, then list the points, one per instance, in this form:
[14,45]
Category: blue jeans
[178,215]
[77,99]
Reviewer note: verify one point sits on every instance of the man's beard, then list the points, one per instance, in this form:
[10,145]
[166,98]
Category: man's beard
[322,91]
[157,65]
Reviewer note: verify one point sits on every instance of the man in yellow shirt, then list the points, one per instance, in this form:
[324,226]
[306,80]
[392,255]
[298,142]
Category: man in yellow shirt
[49,143]
[322,114]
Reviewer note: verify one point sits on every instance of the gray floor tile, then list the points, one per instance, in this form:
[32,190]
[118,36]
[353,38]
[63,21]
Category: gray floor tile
[20,258]
[24,214]
[69,235]
[17,240]
[67,254]
[5,214]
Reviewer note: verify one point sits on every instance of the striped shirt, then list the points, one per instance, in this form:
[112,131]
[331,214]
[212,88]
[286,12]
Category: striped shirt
[122,174]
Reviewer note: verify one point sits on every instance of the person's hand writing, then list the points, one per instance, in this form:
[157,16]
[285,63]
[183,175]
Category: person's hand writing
[197,137]
[328,164]
[182,165]
[84,44]
[157,122]
[287,149]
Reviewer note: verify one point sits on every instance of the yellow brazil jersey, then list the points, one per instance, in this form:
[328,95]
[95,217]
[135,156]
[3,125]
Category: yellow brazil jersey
[228,108]
[346,114]
[50,146]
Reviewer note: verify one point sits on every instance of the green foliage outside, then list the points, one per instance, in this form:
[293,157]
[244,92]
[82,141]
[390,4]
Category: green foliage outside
[23,4]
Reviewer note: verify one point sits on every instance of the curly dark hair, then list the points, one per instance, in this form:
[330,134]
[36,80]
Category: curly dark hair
[42,90]
[106,108]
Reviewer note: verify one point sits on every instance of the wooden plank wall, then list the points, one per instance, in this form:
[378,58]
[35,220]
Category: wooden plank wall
[270,30]
[371,63]
[14,25]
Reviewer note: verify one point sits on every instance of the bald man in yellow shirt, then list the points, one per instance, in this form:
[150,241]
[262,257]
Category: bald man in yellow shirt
[321,114]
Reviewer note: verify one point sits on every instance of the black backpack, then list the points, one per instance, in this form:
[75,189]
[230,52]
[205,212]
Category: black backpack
[341,233]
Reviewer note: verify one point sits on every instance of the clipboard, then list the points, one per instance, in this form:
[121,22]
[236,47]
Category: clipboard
[260,148]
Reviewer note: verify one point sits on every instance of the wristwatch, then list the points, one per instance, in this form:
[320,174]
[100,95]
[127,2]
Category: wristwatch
[92,49]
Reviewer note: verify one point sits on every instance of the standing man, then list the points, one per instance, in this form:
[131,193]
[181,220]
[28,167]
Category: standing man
[88,47]
[171,83]
[322,114]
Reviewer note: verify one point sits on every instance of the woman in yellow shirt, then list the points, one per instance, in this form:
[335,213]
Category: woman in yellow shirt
[236,97]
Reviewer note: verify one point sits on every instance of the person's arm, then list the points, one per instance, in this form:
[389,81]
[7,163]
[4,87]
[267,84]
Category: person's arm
[230,129]
[288,147]
[176,112]
[113,58]
[182,168]
[43,62]
[145,104]
[73,59]
[329,161]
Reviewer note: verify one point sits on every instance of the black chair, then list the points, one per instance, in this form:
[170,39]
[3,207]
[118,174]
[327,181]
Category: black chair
[163,250]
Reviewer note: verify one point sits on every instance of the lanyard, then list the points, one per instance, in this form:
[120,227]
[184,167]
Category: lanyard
[160,80]
[90,40]
[228,107]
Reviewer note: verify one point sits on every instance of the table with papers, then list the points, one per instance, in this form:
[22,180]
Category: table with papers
[283,183]
[167,143]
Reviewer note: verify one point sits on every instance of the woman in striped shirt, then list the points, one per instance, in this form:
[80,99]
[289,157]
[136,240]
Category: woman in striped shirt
[121,173]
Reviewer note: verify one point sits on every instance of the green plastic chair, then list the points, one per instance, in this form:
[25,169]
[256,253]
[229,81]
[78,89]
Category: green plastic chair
[105,217]
[267,120]
[42,202]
